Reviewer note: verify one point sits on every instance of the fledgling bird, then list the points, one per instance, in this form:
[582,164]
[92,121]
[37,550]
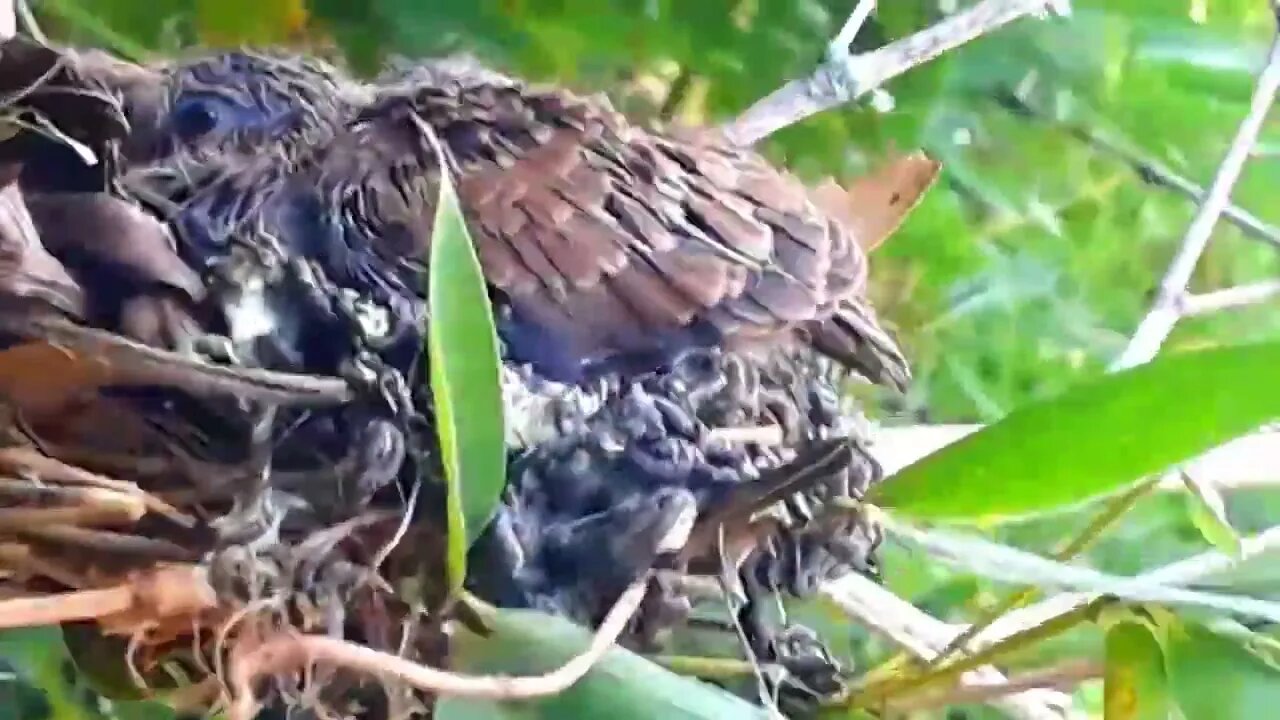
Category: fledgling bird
[608,248]
[83,247]
[216,102]
[58,123]
[219,105]
[237,101]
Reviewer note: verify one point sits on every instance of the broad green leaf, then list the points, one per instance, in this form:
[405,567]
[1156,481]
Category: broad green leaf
[622,686]
[120,26]
[1213,676]
[1095,438]
[465,380]
[1135,686]
[38,655]
[1209,514]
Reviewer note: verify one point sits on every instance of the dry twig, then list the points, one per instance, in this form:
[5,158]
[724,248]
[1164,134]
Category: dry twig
[1167,308]
[845,77]
[124,362]
[29,462]
[1233,297]
[1064,677]
[1150,170]
[146,598]
[924,636]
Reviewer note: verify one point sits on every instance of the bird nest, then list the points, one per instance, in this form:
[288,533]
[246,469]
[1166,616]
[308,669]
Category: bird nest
[219,508]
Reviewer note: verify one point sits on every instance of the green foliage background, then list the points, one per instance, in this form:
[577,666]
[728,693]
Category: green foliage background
[1024,270]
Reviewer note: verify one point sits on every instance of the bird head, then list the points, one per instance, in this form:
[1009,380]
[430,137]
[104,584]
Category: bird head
[236,100]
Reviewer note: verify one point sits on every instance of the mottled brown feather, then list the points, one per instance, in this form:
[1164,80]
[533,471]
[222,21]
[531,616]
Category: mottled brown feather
[113,231]
[27,269]
[605,233]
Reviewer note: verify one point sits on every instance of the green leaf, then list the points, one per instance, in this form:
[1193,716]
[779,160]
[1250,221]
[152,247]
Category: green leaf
[1135,686]
[1093,439]
[38,655]
[259,22]
[466,382]
[1215,677]
[621,686]
[1208,513]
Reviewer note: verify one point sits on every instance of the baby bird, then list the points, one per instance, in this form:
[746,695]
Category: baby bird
[608,248]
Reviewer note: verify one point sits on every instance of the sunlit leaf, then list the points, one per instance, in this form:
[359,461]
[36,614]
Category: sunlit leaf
[1095,438]
[1135,686]
[465,381]
[1215,677]
[622,686]
[37,654]
[1209,515]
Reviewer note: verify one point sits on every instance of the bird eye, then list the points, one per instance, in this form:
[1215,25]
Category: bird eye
[194,118]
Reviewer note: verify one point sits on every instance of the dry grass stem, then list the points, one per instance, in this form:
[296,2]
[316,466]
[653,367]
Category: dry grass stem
[290,652]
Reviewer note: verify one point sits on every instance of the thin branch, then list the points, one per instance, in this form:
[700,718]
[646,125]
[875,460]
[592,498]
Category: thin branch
[29,23]
[899,687]
[166,591]
[1149,169]
[924,636]
[67,607]
[1187,571]
[842,44]
[1164,314]
[27,461]
[119,511]
[1191,305]
[1062,677]
[128,362]
[845,77]
[1114,510]
[1002,563]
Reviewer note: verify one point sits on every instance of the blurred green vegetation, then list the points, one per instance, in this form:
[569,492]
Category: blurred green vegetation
[1023,271]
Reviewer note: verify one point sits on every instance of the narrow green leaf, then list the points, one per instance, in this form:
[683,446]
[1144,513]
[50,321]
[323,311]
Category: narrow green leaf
[1208,513]
[1095,438]
[1134,684]
[1216,677]
[465,381]
[622,686]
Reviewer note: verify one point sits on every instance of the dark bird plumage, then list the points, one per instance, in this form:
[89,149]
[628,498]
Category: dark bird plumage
[607,247]
[236,101]
[95,253]
[273,203]
[585,505]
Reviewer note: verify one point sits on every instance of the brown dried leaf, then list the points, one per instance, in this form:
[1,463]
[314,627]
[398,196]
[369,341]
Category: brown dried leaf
[874,205]
[40,378]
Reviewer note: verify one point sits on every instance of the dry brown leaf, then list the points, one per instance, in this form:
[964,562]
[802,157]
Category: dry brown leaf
[873,206]
[39,378]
